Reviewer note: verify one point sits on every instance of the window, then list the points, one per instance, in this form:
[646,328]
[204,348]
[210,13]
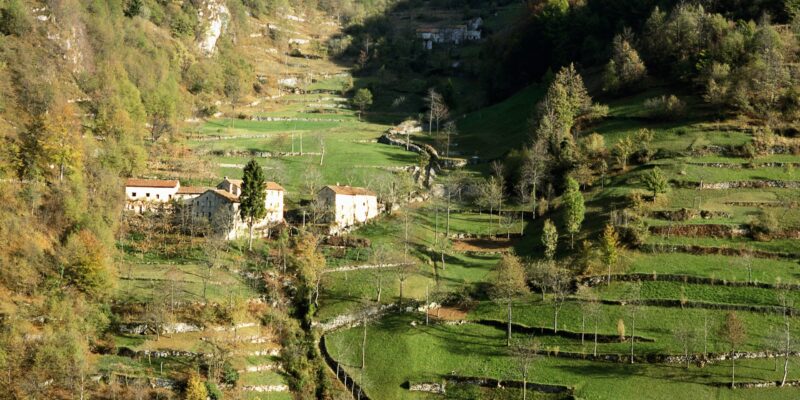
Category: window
[147,194]
[158,196]
[133,194]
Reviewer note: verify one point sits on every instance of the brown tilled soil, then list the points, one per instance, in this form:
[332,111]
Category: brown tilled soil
[488,245]
[447,314]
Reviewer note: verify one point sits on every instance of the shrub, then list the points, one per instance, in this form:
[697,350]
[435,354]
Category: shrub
[764,225]
[665,107]
[214,393]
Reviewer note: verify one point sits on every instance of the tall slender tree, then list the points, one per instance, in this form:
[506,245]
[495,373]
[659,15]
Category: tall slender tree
[574,209]
[252,205]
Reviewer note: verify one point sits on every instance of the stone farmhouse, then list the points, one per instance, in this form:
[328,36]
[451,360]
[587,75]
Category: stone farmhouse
[455,34]
[146,194]
[220,207]
[348,205]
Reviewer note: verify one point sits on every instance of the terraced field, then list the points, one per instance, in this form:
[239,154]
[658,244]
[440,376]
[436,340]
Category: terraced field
[704,258]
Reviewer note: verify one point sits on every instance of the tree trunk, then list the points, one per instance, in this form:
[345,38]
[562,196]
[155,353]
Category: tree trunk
[595,337]
[525,386]
[583,327]
[448,214]
[401,292]
[633,334]
[364,346]
[250,241]
[555,319]
[733,371]
[508,337]
[427,305]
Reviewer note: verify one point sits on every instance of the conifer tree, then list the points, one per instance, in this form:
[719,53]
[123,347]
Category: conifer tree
[252,207]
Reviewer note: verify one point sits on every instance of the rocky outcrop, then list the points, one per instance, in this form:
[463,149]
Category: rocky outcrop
[600,280]
[432,387]
[706,230]
[214,17]
[723,251]
[759,184]
[348,320]
[686,214]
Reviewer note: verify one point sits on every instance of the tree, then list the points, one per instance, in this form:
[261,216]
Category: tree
[534,167]
[565,107]
[560,285]
[252,201]
[734,334]
[785,345]
[525,352]
[623,150]
[656,182]
[633,297]
[625,69]
[450,130]
[575,209]
[685,335]
[195,388]
[609,248]
[83,262]
[437,109]
[549,239]
[362,100]
[508,282]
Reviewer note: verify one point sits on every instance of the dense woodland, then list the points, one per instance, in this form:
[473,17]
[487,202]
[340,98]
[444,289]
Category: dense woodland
[89,93]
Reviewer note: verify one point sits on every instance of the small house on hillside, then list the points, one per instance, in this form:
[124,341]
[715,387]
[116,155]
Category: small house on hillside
[348,205]
[455,34]
[144,194]
[220,207]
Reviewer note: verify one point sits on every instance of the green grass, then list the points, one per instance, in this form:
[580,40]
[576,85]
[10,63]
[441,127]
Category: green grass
[398,352]
[183,282]
[489,132]
[712,266]
[775,246]
[702,293]
[658,323]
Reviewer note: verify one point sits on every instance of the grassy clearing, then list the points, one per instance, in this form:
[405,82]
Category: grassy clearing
[775,245]
[142,283]
[658,323]
[398,352]
[704,293]
[712,266]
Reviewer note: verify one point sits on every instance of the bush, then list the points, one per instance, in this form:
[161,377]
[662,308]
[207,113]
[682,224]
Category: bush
[214,393]
[665,107]
[764,225]
[229,374]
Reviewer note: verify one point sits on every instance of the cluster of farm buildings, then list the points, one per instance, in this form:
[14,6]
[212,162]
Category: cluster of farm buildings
[219,206]
[455,34]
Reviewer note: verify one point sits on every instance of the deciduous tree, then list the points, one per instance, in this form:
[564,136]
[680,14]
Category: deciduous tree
[734,334]
[549,239]
[508,282]
[574,209]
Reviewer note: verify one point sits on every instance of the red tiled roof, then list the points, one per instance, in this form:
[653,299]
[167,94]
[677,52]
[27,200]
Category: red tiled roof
[274,186]
[237,182]
[350,190]
[225,194]
[151,183]
[192,190]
